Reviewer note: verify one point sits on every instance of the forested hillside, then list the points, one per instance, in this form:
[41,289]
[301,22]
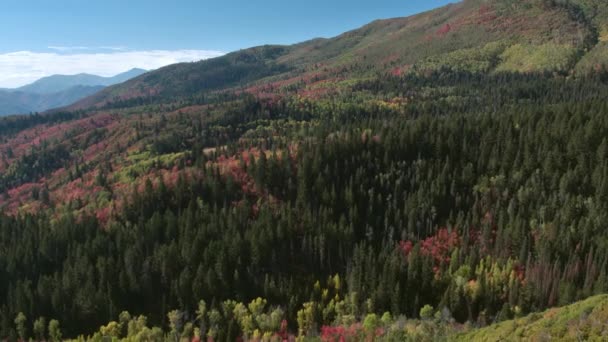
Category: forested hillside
[320,190]
[472,35]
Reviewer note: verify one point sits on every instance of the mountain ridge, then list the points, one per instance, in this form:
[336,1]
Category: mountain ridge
[524,37]
[20,102]
[57,91]
[57,83]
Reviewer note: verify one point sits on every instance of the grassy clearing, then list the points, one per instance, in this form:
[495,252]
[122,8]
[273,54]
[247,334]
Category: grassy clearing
[586,320]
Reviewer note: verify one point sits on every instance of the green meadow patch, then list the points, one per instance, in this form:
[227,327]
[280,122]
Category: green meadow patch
[537,58]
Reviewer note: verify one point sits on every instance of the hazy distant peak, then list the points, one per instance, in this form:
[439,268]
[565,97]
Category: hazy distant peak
[57,91]
[58,83]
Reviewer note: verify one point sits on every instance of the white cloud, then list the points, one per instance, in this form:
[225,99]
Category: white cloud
[23,67]
[114,48]
[86,48]
[68,48]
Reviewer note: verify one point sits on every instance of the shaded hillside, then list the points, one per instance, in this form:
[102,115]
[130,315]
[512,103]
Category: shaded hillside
[180,80]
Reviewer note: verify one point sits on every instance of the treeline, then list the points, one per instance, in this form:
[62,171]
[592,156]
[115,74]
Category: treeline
[13,124]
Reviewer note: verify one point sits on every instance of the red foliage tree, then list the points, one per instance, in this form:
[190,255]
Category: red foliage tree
[438,246]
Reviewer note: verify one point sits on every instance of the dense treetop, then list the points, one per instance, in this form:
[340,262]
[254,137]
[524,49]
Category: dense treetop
[321,190]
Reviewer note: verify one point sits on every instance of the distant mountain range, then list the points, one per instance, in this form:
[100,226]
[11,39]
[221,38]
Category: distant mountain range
[57,91]
[59,83]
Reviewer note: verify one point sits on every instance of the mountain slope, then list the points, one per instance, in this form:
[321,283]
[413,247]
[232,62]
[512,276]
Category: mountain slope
[20,102]
[188,78]
[540,35]
[58,83]
[57,91]
[585,320]
[483,37]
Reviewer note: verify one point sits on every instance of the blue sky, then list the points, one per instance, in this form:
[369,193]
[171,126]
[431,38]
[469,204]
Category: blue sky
[96,29]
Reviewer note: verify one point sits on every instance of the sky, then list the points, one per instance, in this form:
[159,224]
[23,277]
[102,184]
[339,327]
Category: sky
[106,37]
